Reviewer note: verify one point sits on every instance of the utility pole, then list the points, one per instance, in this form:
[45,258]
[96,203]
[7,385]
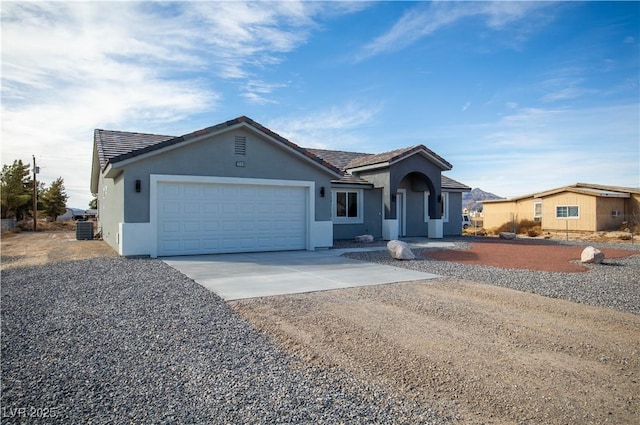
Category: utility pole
[35,194]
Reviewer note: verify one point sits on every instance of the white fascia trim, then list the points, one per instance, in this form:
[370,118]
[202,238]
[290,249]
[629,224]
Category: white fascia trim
[154,179]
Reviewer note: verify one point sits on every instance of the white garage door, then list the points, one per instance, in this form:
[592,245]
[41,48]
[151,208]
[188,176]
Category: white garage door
[209,218]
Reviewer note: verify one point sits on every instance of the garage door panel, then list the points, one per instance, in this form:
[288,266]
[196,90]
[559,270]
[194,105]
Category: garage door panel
[191,245]
[191,208]
[215,218]
[210,226]
[171,227]
[170,208]
[191,226]
[210,244]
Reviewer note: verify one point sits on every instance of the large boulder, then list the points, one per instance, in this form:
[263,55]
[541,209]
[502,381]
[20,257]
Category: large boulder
[592,255]
[507,235]
[400,250]
[364,238]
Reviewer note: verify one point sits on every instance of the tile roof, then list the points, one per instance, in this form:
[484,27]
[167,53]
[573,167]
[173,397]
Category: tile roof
[339,159]
[113,144]
[449,183]
[393,156]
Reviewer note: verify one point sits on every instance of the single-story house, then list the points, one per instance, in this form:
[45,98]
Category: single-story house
[240,187]
[578,207]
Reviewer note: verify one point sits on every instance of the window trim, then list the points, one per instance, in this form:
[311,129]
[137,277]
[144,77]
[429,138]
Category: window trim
[568,207]
[359,219]
[535,204]
[445,206]
[426,206]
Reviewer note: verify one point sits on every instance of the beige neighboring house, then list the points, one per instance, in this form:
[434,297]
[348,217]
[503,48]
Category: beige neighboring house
[578,207]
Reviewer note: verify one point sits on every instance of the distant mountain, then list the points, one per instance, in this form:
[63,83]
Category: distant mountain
[471,200]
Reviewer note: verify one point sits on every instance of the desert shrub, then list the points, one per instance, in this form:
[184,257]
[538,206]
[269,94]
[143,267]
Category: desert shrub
[474,231]
[523,226]
[534,231]
[529,227]
[504,227]
[47,226]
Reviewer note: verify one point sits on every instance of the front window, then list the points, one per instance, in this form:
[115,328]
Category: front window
[347,206]
[567,211]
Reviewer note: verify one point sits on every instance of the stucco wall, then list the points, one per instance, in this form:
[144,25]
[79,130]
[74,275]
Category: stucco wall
[372,223]
[110,209]
[417,164]
[453,227]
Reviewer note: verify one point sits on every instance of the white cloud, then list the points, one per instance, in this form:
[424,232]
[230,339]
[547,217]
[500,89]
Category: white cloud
[339,127]
[534,149]
[427,18]
[466,106]
[69,67]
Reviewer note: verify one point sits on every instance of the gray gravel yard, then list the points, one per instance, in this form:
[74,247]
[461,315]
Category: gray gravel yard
[613,284]
[115,340]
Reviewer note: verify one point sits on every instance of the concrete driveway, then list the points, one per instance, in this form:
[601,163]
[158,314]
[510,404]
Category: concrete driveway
[251,275]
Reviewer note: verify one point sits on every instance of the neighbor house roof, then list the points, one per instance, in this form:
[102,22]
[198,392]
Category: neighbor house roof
[583,188]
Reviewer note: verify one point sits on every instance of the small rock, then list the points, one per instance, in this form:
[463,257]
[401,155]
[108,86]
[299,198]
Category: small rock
[364,238]
[592,255]
[507,235]
[400,250]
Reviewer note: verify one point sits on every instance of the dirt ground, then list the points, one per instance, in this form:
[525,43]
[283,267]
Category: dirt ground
[32,249]
[490,355]
[479,353]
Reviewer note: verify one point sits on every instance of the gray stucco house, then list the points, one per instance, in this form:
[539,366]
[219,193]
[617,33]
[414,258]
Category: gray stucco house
[240,187]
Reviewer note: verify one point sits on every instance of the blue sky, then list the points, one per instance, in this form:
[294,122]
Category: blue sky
[518,96]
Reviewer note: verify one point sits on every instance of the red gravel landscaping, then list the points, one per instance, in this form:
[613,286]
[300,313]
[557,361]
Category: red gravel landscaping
[525,255]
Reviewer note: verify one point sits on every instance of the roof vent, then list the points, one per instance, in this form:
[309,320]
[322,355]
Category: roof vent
[240,146]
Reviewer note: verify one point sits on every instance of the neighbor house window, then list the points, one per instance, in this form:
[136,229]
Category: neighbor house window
[537,211]
[347,206]
[567,211]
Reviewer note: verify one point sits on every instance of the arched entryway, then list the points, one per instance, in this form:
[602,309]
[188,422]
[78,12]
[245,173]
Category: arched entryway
[416,203]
